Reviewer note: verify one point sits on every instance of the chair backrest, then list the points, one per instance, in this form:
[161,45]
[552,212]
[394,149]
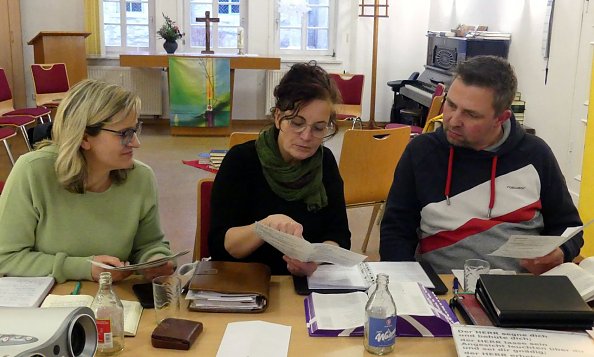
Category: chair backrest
[203,189]
[436,106]
[240,137]
[367,162]
[351,91]
[50,81]
[6,102]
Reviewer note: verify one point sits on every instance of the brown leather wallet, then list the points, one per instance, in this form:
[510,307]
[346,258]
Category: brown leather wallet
[176,334]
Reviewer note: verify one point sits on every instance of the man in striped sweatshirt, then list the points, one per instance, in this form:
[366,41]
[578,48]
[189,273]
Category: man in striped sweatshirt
[461,191]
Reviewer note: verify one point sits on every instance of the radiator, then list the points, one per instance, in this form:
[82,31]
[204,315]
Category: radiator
[145,82]
[272,79]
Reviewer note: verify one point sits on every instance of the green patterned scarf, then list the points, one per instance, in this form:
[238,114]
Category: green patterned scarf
[292,182]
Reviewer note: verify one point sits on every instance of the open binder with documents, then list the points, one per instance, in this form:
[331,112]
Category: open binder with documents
[420,313]
[229,287]
[335,279]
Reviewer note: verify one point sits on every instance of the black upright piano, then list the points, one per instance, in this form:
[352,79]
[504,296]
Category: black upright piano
[443,54]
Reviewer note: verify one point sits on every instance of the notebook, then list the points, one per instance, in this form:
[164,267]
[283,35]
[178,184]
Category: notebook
[24,291]
[533,301]
[420,313]
[229,287]
[132,309]
[338,279]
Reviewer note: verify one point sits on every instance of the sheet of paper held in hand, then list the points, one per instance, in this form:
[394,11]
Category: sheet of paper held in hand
[300,249]
[140,266]
[532,246]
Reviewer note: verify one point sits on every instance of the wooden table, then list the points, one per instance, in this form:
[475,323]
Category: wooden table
[286,307]
[148,60]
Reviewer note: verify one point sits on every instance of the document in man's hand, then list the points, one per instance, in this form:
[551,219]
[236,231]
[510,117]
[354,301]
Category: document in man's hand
[24,291]
[300,249]
[535,246]
[420,313]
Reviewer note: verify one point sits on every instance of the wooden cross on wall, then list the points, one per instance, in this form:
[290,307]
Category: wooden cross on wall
[207,20]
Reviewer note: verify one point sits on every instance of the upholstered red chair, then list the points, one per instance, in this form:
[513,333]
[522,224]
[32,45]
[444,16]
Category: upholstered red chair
[203,189]
[51,83]
[5,134]
[7,102]
[351,90]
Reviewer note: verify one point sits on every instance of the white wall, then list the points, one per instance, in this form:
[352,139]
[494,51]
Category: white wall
[46,15]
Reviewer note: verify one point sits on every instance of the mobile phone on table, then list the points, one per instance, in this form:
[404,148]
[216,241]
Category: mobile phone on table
[144,293]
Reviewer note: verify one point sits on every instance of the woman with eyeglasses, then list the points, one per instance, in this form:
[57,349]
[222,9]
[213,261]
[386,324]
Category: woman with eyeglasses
[81,196]
[285,179]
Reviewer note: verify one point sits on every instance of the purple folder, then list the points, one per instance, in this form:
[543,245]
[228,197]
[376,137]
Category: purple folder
[437,325]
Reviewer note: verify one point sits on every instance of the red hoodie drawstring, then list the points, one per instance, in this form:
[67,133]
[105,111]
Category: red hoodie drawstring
[449,176]
[492,195]
[448,184]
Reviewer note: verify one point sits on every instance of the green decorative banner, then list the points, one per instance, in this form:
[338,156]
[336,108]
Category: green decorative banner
[199,92]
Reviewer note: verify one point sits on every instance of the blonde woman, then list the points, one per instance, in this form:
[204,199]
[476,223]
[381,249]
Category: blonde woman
[81,196]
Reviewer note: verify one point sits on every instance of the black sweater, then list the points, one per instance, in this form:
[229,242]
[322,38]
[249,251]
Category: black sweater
[241,196]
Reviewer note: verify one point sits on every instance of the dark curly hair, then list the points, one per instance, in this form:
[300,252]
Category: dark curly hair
[302,84]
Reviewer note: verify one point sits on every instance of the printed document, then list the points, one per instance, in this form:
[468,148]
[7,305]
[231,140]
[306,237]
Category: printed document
[533,246]
[474,341]
[24,291]
[140,266]
[300,249]
[255,338]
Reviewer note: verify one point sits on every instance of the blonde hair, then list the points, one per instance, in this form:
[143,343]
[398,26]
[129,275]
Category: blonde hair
[87,107]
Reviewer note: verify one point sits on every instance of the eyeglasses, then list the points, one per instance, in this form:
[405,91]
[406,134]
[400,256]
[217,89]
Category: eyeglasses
[319,130]
[127,135]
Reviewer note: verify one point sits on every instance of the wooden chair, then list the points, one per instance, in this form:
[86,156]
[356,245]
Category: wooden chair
[240,137]
[351,91]
[51,83]
[203,190]
[368,160]
[434,110]
[5,134]
[7,102]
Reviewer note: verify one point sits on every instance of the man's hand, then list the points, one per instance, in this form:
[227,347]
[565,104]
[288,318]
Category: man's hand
[109,260]
[299,268]
[540,265]
[165,269]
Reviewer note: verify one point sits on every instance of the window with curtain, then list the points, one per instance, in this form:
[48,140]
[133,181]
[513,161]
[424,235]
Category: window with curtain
[126,27]
[223,34]
[306,27]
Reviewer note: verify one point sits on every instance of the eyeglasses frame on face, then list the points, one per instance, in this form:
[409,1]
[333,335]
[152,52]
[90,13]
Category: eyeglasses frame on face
[330,127]
[125,134]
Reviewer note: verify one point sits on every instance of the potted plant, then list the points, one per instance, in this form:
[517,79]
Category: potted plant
[170,33]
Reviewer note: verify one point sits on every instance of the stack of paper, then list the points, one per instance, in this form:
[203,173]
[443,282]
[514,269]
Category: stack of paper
[219,301]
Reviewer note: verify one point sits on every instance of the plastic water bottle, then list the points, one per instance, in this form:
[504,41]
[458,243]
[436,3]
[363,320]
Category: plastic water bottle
[380,319]
[109,316]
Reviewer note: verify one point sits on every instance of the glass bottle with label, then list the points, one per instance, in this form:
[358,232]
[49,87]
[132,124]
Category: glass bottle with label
[380,319]
[109,316]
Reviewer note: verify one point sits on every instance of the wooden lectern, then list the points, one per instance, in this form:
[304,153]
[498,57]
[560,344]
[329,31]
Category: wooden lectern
[62,47]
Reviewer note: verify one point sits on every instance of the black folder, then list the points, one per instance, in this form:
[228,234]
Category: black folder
[550,302]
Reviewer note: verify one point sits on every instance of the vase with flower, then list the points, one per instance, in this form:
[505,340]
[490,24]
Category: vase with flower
[170,33]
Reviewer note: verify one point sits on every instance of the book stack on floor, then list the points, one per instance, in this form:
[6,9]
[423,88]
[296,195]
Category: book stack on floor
[216,157]
[519,107]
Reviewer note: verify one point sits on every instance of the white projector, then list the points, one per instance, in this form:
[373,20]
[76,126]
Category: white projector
[55,332]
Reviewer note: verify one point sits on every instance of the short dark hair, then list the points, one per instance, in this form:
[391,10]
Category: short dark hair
[302,84]
[490,72]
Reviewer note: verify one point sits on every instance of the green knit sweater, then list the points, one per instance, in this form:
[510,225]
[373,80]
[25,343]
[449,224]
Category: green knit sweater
[46,230]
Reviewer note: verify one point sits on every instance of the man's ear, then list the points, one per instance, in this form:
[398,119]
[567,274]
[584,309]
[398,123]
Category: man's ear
[505,115]
[85,144]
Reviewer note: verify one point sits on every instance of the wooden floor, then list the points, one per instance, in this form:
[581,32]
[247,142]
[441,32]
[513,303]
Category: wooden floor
[177,182]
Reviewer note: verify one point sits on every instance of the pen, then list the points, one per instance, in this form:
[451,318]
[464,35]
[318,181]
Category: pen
[456,285]
[76,288]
